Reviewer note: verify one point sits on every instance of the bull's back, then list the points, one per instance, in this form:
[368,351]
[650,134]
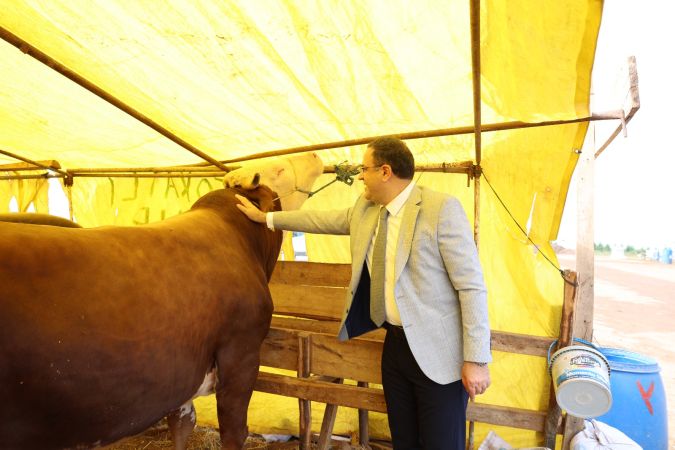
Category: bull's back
[38,219]
[110,283]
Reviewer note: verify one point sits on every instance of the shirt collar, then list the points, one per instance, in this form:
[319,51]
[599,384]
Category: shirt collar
[395,206]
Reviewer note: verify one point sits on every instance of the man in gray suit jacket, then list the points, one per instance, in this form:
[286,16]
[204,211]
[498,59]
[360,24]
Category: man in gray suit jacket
[421,279]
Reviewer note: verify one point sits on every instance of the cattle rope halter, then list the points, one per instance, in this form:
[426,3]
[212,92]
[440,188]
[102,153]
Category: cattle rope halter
[343,172]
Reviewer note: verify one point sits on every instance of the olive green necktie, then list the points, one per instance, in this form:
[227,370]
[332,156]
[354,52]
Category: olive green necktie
[377,271]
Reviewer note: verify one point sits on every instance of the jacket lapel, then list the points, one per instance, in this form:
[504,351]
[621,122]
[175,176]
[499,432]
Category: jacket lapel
[408,221]
[365,234]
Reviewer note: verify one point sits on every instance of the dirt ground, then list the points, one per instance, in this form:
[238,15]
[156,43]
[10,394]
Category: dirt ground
[635,310]
[207,438]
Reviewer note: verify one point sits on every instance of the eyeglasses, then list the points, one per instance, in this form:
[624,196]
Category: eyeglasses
[364,169]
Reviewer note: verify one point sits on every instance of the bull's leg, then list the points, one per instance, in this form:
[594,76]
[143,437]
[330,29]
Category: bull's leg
[181,423]
[236,377]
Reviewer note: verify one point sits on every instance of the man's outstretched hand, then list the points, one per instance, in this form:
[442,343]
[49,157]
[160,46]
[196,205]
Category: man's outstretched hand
[249,209]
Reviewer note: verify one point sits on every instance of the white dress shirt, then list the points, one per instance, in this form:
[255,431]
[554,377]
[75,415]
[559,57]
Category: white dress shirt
[395,208]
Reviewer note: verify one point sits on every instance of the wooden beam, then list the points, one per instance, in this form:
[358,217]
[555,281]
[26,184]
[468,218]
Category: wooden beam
[28,177]
[280,349]
[314,302]
[314,274]
[23,166]
[322,391]
[149,175]
[489,127]
[634,94]
[28,49]
[36,164]
[314,326]
[372,399]
[501,341]
[208,171]
[506,416]
[167,169]
[354,359]
[524,344]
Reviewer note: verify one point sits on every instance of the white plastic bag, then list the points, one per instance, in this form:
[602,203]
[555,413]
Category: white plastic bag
[600,436]
[494,442]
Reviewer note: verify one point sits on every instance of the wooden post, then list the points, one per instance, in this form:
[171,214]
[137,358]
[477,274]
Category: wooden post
[585,263]
[305,406]
[565,338]
[474,13]
[364,428]
[328,423]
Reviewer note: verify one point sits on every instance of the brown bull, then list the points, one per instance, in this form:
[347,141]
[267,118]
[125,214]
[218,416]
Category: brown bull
[104,331]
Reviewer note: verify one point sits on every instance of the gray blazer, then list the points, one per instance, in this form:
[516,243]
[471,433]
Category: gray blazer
[439,287]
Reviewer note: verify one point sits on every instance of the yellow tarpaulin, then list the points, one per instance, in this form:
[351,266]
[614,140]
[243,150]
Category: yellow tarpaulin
[237,78]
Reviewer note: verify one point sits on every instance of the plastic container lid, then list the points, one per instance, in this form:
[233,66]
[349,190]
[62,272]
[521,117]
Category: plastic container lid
[627,361]
[584,398]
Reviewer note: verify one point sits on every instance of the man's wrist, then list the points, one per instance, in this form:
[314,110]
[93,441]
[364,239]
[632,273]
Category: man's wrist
[268,219]
[479,364]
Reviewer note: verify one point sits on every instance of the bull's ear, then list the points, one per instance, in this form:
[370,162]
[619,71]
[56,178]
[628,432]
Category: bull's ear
[231,184]
[236,180]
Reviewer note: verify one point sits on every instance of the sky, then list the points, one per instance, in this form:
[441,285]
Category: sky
[634,176]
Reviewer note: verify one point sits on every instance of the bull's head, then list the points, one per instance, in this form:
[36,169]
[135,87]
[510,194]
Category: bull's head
[291,177]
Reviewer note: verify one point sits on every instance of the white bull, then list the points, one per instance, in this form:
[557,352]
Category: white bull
[290,177]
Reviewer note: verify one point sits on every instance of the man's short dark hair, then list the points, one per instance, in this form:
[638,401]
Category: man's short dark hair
[395,153]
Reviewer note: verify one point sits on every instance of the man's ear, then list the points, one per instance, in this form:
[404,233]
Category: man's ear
[386,171]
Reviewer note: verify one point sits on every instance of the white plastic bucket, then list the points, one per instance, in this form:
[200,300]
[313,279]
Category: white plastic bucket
[580,377]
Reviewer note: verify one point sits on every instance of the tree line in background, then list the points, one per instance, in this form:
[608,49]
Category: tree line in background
[629,250]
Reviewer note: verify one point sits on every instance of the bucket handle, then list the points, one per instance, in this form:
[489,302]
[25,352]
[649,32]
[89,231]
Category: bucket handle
[581,341]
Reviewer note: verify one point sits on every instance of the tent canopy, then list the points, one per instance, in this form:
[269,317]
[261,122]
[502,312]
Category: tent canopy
[237,78]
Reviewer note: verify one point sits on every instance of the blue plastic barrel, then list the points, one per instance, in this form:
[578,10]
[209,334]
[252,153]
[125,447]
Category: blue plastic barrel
[638,398]
[666,255]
